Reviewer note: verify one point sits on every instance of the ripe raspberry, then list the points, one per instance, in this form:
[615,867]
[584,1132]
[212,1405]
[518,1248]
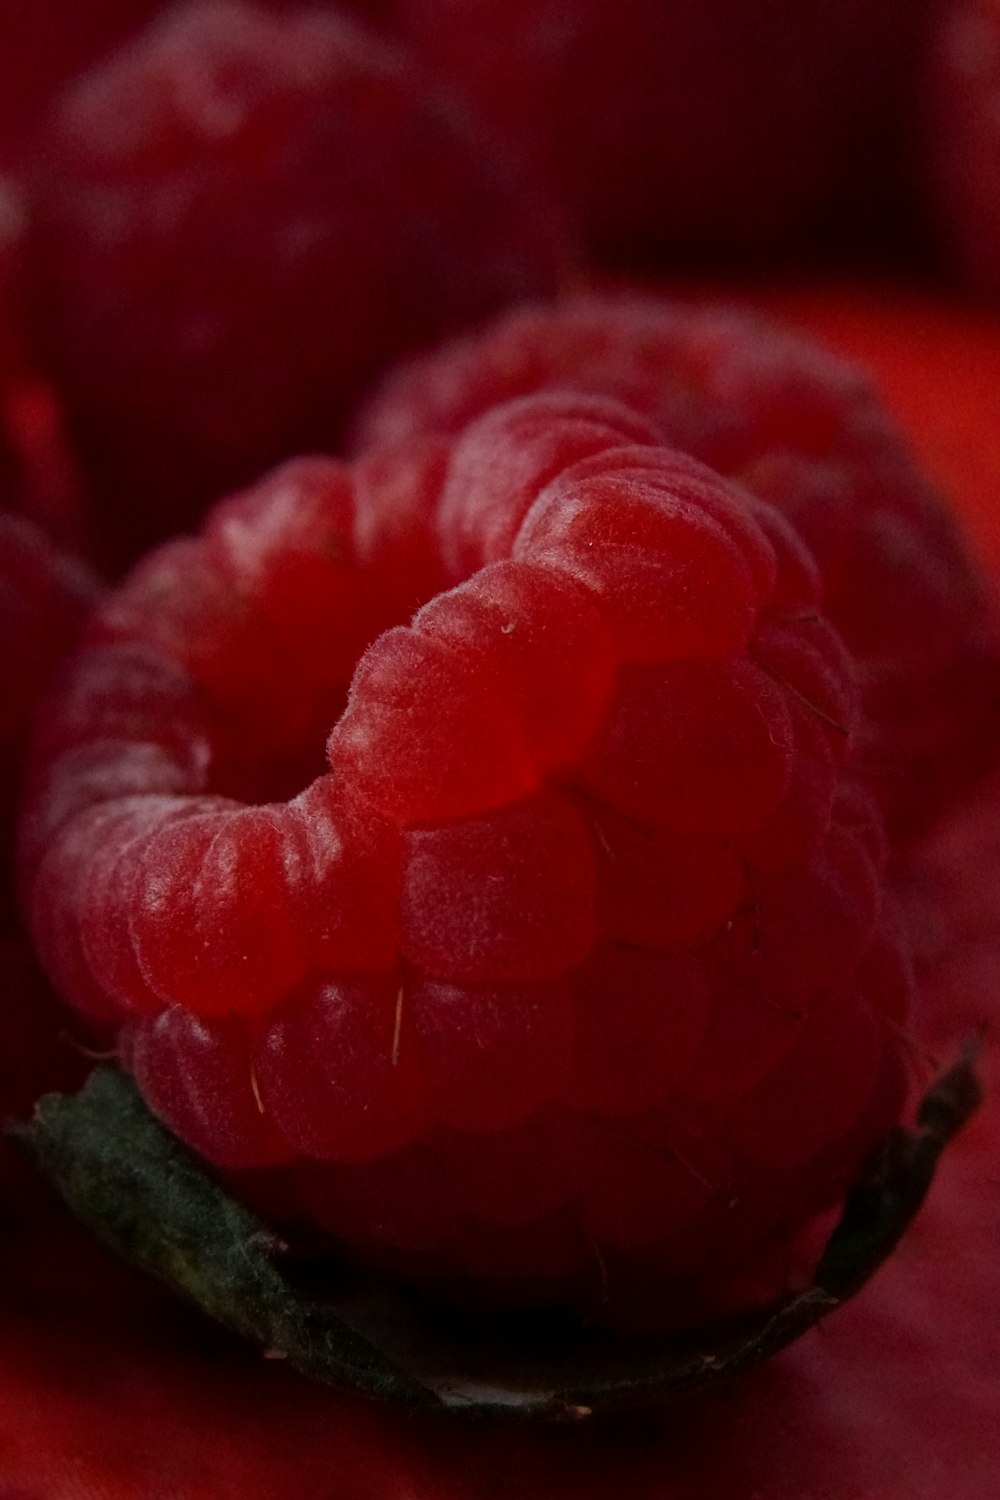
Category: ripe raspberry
[43,598]
[964,134]
[936,365]
[806,434]
[38,475]
[689,127]
[574,957]
[46,43]
[241,218]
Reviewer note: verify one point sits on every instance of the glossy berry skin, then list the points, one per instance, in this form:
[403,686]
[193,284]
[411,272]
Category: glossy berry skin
[806,433]
[964,135]
[241,217]
[574,958]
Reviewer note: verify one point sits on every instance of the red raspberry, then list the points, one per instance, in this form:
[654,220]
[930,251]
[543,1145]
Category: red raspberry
[38,475]
[690,126]
[805,433]
[571,970]
[43,598]
[241,218]
[47,42]
[964,134]
[936,365]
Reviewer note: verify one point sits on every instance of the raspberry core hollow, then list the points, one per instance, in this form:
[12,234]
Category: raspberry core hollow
[569,973]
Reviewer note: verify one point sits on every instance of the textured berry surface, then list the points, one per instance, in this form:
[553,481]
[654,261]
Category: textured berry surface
[241,217]
[805,433]
[570,974]
[688,126]
[964,134]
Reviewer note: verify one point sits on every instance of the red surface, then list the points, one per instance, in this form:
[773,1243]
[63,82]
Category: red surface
[108,1392]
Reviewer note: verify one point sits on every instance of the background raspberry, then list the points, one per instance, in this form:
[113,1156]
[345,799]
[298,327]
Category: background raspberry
[238,221]
[44,597]
[39,476]
[680,128]
[963,135]
[43,600]
[936,365]
[46,43]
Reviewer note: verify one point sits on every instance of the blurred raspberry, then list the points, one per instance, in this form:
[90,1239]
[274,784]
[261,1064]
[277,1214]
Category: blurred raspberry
[805,433]
[241,218]
[692,127]
[936,366]
[573,976]
[44,596]
[44,44]
[39,475]
[963,135]
[43,599]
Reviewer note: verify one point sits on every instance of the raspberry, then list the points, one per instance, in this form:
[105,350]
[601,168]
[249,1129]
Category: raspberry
[427,963]
[689,127]
[241,218]
[43,598]
[964,135]
[803,432]
[38,474]
[936,365]
[47,43]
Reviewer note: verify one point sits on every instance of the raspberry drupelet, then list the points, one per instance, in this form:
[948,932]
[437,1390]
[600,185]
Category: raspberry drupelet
[571,972]
[241,217]
[805,432]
